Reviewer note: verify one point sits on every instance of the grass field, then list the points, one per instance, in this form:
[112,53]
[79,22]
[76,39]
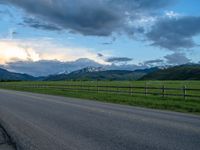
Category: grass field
[191,105]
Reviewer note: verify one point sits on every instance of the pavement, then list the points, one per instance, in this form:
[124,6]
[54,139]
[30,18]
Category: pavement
[5,143]
[44,122]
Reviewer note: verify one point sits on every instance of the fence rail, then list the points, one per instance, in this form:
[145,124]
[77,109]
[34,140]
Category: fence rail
[130,90]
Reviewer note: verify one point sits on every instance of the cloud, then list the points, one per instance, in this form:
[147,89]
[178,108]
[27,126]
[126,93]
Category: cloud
[5,13]
[107,17]
[175,33]
[177,59]
[12,32]
[110,42]
[107,43]
[91,17]
[100,55]
[49,67]
[12,50]
[118,59]
[35,23]
[155,62]
[172,14]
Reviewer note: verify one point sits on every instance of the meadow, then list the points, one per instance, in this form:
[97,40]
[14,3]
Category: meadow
[181,96]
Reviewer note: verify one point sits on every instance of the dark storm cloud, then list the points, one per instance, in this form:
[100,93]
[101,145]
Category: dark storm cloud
[177,59]
[90,17]
[118,59]
[34,23]
[175,33]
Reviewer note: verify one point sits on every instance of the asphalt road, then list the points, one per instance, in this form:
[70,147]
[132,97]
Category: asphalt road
[43,122]
[5,143]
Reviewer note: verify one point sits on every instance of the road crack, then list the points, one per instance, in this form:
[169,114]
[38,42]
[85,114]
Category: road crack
[6,142]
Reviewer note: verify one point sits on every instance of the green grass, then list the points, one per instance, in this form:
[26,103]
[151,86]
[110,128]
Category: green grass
[157,102]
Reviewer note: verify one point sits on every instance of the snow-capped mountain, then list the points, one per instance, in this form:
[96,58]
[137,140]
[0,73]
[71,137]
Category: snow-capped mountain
[90,69]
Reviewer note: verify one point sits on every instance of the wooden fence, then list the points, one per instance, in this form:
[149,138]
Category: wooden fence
[163,91]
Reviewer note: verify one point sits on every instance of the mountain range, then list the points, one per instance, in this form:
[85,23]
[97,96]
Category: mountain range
[52,67]
[182,72]
[49,67]
[92,73]
[7,76]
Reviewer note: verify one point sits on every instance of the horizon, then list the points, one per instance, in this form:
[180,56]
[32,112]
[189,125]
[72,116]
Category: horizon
[136,35]
[97,68]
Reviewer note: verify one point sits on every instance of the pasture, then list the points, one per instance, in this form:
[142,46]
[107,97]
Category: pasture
[182,96]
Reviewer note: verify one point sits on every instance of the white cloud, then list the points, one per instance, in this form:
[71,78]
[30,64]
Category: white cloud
[10,51]
[172,14]
[41,49]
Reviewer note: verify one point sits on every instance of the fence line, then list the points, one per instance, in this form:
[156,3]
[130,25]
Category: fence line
[131,90]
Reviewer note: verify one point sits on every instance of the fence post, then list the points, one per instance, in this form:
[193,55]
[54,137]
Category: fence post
[97,86]
[131,90]
[106,89]
[145,89]
[184,92]
[81,86]
[163,91]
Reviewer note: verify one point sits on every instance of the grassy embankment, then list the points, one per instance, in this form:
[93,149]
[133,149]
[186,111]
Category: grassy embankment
[158,102]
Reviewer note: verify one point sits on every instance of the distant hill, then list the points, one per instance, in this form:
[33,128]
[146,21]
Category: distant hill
[92,73]
[6,76]
[183,72]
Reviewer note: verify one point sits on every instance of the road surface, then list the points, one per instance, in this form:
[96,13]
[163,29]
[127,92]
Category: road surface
[5,143]
[43,122]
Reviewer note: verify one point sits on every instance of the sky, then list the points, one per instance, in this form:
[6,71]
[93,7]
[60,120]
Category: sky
[34,34]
